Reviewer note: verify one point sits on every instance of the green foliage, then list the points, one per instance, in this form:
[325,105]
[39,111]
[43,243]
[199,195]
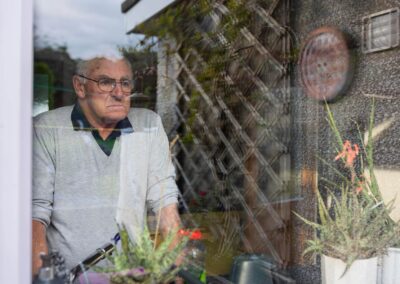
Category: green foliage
[43,81]
[142,261]
[351,227]
[238,18]
[183,23]
[188,138]
[139,58]
[354,222]
[149,90]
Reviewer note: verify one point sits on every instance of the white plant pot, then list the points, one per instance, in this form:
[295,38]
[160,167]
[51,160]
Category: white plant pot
[389,267]
[362,271]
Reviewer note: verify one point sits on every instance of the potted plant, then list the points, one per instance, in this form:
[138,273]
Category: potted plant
[354,225]
[146,260]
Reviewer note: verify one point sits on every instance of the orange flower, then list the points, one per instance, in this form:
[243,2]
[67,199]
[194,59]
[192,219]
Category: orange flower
[360,185]
[349,153]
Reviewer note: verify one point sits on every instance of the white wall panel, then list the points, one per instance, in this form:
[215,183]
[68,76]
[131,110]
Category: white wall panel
[15,140]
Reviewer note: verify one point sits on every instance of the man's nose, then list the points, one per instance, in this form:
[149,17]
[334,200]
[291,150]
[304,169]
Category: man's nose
[117,91]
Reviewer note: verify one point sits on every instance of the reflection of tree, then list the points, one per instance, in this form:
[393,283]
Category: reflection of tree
[57,65]
[43,84]
[54,69]
[53,72]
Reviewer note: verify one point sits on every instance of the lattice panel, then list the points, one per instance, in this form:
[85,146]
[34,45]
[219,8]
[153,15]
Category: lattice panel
[234,132]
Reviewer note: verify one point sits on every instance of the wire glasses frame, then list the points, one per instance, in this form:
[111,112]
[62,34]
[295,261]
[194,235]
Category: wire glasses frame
[108,84]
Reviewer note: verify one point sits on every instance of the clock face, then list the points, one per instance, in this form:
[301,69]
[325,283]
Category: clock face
[324,64]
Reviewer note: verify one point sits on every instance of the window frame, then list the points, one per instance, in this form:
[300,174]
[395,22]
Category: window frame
[16,61]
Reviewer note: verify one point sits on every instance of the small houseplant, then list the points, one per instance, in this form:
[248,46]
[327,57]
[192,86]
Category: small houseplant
[143,261]
[354,222]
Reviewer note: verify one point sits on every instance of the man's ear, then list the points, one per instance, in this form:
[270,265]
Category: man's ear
[78,86]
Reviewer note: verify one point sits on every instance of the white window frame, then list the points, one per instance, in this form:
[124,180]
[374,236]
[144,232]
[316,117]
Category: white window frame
[16,61]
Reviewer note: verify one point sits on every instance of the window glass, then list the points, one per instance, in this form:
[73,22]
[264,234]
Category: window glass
[66,32]
[246,122]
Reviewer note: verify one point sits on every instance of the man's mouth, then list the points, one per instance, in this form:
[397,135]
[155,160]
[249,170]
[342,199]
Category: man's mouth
[116,106]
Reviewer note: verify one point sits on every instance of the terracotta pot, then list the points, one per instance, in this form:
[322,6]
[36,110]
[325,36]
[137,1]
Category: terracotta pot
[363,271]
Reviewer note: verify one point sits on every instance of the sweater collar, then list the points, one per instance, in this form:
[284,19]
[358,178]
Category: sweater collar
[79,122]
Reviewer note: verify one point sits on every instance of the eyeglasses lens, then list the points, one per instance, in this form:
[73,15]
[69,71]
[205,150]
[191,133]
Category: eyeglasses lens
[108,85]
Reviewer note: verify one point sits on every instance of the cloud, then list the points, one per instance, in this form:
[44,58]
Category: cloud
[87,28]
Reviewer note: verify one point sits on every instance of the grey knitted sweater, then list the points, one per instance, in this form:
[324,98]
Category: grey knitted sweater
[80,193]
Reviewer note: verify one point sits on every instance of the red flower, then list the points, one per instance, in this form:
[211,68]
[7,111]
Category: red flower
[202,193]
[196,235]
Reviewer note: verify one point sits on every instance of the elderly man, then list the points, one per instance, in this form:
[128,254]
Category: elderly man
[96,164]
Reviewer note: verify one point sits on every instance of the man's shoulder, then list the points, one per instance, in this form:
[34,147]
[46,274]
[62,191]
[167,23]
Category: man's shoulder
[143,118]
[57,117]
[142,113]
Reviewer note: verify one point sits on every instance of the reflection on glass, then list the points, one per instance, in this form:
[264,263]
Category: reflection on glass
[243,137]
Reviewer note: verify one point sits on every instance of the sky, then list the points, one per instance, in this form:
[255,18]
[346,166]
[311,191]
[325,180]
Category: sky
[87,27]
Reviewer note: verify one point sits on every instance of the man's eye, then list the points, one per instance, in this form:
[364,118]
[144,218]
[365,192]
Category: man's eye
[106,82]
[126,84]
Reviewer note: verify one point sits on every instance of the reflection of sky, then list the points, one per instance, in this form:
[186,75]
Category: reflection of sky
[88,27]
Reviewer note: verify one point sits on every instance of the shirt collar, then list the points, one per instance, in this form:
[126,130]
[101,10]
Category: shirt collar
[79,122]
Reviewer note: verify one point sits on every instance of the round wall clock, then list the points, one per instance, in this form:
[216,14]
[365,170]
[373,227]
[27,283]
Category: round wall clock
[325,64]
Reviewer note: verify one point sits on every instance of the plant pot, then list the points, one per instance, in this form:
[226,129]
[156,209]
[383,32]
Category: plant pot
[361,271]
[389,272]
[104,278]
[93,277]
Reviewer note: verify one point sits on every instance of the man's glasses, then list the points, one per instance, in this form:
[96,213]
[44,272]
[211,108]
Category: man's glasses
[108,84]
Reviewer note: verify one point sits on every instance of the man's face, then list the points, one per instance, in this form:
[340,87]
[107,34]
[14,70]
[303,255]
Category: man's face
[100,107]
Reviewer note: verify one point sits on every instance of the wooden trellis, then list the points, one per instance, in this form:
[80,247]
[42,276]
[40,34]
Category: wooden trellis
[233,149]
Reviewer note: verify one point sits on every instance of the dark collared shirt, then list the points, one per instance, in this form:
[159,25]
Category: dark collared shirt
[80,122]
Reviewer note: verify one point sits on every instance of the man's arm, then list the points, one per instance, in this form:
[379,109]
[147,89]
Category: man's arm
[39,245]
[43,157]
[169,219]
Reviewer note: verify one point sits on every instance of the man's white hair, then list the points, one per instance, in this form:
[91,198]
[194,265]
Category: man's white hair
[84,67]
